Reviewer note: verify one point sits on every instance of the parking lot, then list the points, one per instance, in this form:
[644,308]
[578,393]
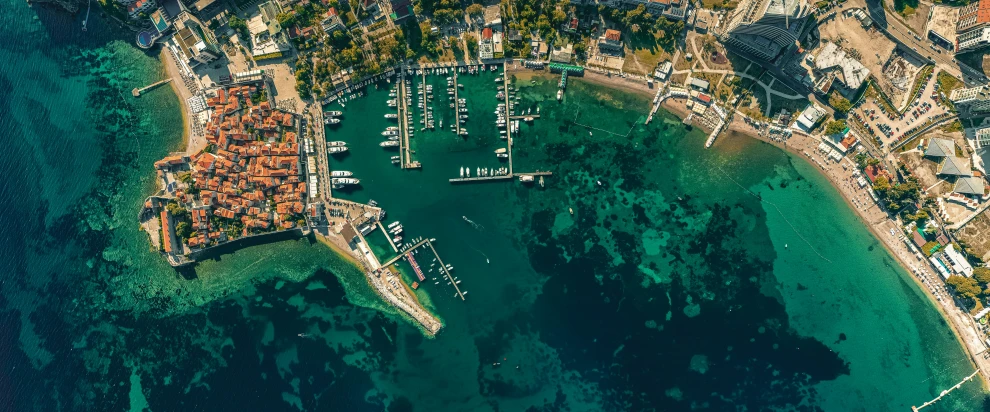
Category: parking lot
[891,127]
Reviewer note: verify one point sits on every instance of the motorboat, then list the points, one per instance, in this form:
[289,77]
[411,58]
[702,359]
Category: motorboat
[341,173]
[334,113]
[391,115]
[336,149]
[389,143]
[502,155]
[336,143]
[396,138]
[344,181]
[393,224]
[501,150]
[331,120]
[526,178]
[390,133]
[462,171]
[396,128]
[560,95]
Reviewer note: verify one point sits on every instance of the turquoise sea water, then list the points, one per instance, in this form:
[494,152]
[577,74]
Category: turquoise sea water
[668,288]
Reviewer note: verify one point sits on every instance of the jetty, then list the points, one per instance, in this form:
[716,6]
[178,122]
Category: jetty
[457,104]
[479,179]
[403,112]
[387,236]
[508,123]
[945,392]
[405,251]
[443,268]
[137,92]
[524,116]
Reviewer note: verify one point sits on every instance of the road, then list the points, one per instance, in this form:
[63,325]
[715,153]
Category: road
[901,34]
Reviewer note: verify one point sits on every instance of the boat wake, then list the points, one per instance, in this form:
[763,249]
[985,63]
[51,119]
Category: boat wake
[471,222]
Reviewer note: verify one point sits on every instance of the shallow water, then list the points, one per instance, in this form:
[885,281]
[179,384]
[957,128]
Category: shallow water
[668,288]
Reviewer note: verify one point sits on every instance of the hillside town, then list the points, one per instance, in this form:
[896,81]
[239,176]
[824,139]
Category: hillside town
[891,101]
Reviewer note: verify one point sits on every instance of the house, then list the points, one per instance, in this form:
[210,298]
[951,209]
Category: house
[401,9]
[332,22]
[955,166]
[194,41]
[562,54]
[970,185]
[972,99]
[940,148]
[810,117]
[611,41]
[269,40]
[137,7]
[698,84]
[663,71]
[973,26]
[371,6]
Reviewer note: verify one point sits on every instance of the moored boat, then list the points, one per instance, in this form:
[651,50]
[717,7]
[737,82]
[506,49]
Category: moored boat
[341,173]
[336,143]
[336,149]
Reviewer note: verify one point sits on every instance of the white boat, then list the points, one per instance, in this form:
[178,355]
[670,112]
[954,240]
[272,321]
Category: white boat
[396,138]
[560,95]
[501,150]
[389,143]
[477,172]
[396,128]
[397,239]
[334,113]
[393,224]
[467,172]
[391,115]
[526,178]
[396,158]
[390,133]
[341,173]
[528,119]
[502,155]
[336,143]
[336,149]
[331,120]
[462,171]
[344,181]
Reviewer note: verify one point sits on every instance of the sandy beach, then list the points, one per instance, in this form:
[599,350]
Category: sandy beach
[192,143]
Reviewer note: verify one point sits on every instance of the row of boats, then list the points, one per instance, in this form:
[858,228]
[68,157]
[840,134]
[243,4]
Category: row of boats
[470,69]
[484,172]
[332,117]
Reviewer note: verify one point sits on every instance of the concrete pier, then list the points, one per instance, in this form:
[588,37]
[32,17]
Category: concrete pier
[137,92]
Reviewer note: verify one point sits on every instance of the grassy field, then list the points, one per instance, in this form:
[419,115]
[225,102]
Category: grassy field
[645,50]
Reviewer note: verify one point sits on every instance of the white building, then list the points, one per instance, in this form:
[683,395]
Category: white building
[958,261]
[975,99]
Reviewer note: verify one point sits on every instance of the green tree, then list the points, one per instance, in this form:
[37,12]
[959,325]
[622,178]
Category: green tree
[841,104]
[184,230]
[285,19]
[982,275]
[965,288]
[835,127]
[475,10]
[239,25]
[472,43]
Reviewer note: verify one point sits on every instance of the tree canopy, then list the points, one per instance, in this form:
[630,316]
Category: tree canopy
[835,127]
[965,288]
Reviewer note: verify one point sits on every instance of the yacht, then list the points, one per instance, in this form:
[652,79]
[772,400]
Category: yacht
[395,128]
[341,173]
[334,113]
[502,155]
[336,149]
[397,239]
[396,138]
[395,158]
[393,224]
[344,181]
[331,120]
[389,143]
[336,143]
[390,133]
[391,115]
